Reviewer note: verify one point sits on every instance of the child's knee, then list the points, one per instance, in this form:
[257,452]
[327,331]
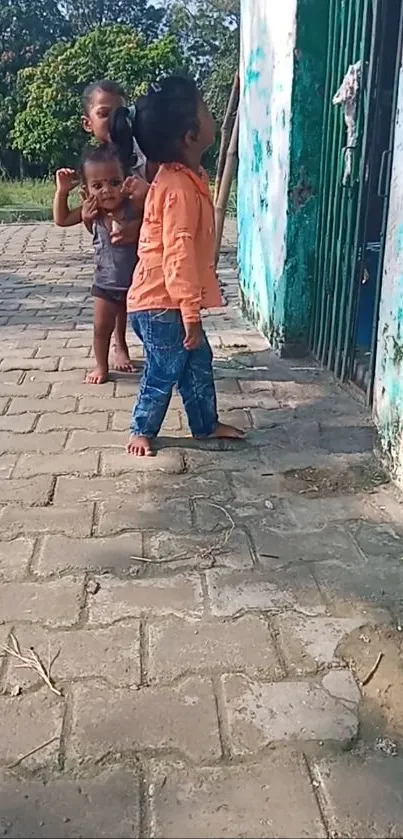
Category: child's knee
[103,327]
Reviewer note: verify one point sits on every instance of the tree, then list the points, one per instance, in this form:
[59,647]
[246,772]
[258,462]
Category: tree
[47,128]
[208,31]
[142,15]
[27,29]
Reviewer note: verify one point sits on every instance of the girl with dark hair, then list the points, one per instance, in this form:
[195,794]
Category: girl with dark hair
[175,277]
[100,99]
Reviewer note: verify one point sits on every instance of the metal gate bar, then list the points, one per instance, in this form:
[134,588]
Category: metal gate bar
[330,150]
[348,266]
[314,331]
[354,269]
[353,45]
[353,36]
[333,230]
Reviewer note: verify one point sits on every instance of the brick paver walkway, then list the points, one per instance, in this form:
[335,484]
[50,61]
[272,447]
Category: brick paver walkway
[215,609]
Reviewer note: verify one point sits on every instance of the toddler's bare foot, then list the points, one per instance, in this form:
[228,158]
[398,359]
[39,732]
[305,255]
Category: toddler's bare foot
[122,361]
[98,376]
[140,446]
[227,431]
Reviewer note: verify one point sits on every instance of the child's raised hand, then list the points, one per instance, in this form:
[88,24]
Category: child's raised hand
[126,234]
[193,335]
[89,210]
[66,180]
[136,190]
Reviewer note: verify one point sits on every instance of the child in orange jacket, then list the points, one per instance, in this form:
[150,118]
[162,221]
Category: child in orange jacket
[175,277]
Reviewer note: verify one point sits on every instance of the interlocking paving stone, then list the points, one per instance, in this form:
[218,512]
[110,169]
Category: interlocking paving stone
[199,597]
[181,718]
[103,806]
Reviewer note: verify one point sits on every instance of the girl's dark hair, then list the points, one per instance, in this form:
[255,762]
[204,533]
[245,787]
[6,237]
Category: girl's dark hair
[104,153]
[161,119]
[106,86]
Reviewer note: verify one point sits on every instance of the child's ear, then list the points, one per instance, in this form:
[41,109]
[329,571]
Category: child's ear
[86,124]
[189,139]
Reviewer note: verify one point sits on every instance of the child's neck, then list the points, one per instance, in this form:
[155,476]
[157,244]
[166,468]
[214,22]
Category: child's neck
[117,213]
[192,160]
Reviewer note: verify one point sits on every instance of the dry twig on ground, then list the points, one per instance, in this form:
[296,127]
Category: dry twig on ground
[32,661]
[373,670]
[216,547]
[32,752]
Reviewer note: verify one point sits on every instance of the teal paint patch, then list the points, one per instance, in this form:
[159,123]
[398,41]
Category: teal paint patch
[252,72]
[257,152]
[399,241]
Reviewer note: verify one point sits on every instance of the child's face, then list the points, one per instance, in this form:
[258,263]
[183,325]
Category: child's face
[104,181]
[96,120]
[207,126]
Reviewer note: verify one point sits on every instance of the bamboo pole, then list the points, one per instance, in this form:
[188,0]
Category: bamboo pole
[228,174]
[226,131]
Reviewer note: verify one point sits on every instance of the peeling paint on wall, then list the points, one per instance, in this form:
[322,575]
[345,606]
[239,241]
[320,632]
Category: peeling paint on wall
[283,51]
[388,392]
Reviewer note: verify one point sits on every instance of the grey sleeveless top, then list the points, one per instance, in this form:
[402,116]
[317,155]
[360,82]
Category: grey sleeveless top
[114,264]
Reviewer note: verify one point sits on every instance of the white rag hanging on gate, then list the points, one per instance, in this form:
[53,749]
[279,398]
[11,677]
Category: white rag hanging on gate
[347,95]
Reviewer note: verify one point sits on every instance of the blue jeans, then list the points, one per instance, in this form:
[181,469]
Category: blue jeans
[167,363]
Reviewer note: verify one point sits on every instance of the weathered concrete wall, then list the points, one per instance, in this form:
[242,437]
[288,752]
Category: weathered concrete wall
[388,393]
[283,51]
[267,44]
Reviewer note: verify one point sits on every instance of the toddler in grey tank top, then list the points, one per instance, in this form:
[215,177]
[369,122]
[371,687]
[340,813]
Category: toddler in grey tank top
[114,222]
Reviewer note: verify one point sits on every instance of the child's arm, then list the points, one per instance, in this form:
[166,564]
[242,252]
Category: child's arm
[66,180]
[136,190]
[180,221]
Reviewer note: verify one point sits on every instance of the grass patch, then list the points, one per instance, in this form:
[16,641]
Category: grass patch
[31,200]
[28,200]
[27,194]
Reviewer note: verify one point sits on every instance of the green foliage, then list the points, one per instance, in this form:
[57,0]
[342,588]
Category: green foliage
[144,17]
[208,31]
[50,50]
[27,29]
[47,128]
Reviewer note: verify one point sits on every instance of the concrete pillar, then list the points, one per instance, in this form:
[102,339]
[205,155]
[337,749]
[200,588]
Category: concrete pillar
[388,385]
[283,58]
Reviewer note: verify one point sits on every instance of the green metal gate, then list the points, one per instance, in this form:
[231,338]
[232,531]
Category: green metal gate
[354,35]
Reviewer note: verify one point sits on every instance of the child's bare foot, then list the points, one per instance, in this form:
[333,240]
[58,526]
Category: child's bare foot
[122,361]
[98,376]
[227,432]
[140,446]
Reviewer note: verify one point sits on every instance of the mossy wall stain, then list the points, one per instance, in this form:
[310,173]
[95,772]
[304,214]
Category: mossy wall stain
[306,140]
